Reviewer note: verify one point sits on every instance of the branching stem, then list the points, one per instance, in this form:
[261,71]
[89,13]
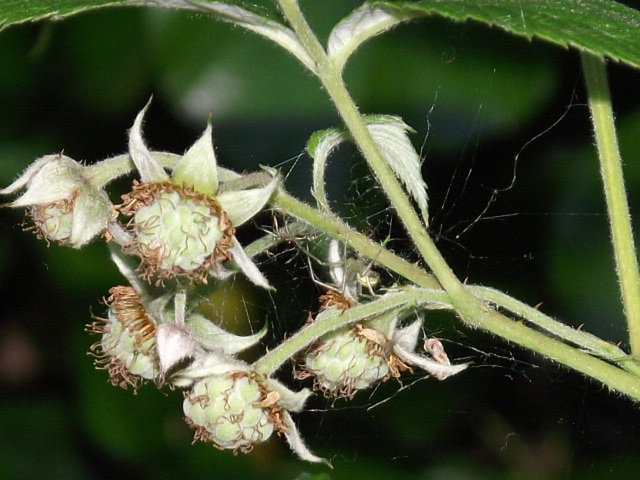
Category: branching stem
[470,308]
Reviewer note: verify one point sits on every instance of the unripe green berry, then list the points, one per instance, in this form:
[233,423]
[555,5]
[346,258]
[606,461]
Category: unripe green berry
[344,362]
[127,348]
[53,221]
[230,411]
[177,231]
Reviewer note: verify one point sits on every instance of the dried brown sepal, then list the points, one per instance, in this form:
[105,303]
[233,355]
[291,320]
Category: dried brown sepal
[434,347]
[333,299]
[144,194]
[396,367]
[269,402]
[378,344]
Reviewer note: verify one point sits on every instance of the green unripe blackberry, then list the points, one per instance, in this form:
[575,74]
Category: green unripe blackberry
[127,348]
[233,411]
[346,361]
[176,230]
[53,221]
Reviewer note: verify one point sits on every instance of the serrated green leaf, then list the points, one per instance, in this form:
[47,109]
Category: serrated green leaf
[13,12]
[390,135]
[360,25]
[603,27]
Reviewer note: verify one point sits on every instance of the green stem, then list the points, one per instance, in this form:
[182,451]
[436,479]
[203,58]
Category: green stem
[489,319]
[363,244]
[335,319]
[610,375]
[615,194]
[108,170]
[329,75]
[587,341]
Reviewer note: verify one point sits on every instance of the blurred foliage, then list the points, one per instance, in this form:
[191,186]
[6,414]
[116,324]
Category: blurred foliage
[516,204]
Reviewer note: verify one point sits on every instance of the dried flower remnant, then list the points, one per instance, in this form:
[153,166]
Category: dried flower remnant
[127,348]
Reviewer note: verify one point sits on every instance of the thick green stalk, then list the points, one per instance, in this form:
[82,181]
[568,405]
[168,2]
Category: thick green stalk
[585,340]
[615,194]
[610,375]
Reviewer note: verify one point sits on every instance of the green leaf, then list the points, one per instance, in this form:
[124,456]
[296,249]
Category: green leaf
[603,27]
[362,24]
[391,136]
[13,12]
[20,11]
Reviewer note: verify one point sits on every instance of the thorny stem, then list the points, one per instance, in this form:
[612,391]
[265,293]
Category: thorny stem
[615,194]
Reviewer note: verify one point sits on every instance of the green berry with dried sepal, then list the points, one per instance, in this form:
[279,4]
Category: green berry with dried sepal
[233,411]
[354,358]
[183,224]
[234,408]
[127,347]
[64,203]
[344,362]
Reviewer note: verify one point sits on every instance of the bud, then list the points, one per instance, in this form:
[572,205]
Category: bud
[233,411]
[127,349]
[65,206]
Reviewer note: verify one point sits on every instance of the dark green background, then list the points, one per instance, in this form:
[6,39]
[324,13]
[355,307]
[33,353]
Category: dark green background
[500,120]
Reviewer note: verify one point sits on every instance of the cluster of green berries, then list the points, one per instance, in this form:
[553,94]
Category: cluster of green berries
[175,231]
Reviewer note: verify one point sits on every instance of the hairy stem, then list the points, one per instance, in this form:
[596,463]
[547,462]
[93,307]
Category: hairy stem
[490,320]
[329,75]
[615,194]
[585,340]
[407,298]
[363,244]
